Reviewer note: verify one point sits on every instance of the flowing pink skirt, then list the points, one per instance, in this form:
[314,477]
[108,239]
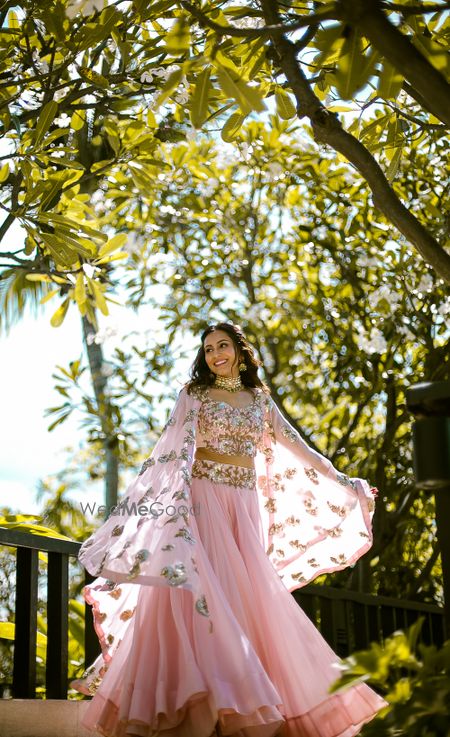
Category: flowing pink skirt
[265,669]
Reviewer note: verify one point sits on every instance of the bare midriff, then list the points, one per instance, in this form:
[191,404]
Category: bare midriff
[205,454]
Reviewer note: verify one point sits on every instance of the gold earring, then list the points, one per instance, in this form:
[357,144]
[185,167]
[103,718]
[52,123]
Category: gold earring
[242,367]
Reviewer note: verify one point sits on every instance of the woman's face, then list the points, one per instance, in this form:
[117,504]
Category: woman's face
[220,354]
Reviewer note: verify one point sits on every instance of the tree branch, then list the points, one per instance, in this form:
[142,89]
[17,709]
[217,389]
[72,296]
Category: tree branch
[328,129]
[400,52]
[275,29]
[415,9]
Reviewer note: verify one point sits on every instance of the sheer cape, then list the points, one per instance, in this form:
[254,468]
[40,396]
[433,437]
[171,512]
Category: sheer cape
[313,521]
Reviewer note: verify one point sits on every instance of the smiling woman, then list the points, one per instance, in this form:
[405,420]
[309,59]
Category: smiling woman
[200,635]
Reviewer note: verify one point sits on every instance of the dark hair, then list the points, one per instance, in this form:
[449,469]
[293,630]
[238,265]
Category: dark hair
[200,373]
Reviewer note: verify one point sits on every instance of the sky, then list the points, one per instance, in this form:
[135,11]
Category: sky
[29,354]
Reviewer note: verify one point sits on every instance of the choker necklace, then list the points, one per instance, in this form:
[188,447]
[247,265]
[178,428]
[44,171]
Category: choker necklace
[228,383]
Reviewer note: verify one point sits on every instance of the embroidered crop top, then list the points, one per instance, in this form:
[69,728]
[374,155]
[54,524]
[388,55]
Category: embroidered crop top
[227,429]
[238,431]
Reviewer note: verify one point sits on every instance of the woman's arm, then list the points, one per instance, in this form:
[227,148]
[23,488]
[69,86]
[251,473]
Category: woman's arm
[286,435]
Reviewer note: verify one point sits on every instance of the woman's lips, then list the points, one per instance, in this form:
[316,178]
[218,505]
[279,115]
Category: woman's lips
[221,363]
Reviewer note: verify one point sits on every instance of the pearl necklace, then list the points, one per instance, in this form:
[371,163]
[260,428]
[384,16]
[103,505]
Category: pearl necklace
[229,383]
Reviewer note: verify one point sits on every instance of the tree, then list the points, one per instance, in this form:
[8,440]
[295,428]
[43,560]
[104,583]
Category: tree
[272,236]
[85,87]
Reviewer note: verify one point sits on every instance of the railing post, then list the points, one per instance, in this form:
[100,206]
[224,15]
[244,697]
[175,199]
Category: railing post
[24,676]
[57,626]
[430,404]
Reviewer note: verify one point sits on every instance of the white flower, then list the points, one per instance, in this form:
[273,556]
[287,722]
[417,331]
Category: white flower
[85,7]
[404,330]
[63,121]
[182,98]
[374,343]
[89,270]
[426,284]
[444,309]
[367,262]
[247,22]
[41,65]
[59,94]
[146,77]
[102,335]
[274,169]
[384,292]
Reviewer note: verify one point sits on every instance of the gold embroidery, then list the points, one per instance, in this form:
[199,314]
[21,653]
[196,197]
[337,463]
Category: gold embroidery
[309,506]
[313,563]
[186,535]
[147,463]
[312,475]
[275,528]
[298,545]
[175,574]
[166,457]
[201,606]
[340,560]
[341,511]
[292,520]
[126,614]
[225,473]
[271,505]
[230,430]
[298,577]
[116,593]
[289,433]
[290,473]
[118,529]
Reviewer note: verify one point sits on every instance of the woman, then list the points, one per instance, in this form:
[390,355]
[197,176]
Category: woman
[232,511]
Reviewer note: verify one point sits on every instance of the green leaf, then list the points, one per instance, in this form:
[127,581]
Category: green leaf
[285,107]
[113,244]
[78,120]
[61,253]
[172,83]
[8,629]
[178,38]
[390,82]
[48,296]
[354,68]
[248,98]
[93,77]
[4,173]
[58,317]
[393,166]
[80,290]
[199,100]
[232,127]
[98,295]
[45,120]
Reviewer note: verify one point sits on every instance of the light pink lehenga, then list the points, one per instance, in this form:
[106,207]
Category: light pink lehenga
[255,666]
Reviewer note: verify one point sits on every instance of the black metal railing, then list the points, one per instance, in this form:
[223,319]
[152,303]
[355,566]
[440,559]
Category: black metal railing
[28,547]
[350,621]
[347,620]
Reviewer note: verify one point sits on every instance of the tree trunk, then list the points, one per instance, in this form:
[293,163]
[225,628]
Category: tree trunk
[110,440]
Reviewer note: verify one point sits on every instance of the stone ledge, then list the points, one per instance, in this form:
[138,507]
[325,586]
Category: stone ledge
[42,718]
